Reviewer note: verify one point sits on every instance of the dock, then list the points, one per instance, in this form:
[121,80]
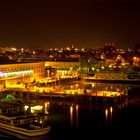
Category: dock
[100,96]
[95,98]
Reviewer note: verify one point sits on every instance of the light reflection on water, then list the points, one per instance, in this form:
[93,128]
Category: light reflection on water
[87,116]
[82,119]
[74,114]
[77,115]
[111,112]
[71,116]
[106,117]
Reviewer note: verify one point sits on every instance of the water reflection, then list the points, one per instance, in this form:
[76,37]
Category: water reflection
[74,115]
[71,116]
[106,117]
[77,115]
[111,112]
[89,117]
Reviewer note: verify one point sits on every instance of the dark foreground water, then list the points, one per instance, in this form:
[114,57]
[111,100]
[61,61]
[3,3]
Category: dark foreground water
[93,121]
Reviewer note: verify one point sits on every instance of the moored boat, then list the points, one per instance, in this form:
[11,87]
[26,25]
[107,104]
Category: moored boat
[23,126]
[17,121]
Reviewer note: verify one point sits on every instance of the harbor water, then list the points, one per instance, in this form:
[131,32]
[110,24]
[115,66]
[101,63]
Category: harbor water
[89,120]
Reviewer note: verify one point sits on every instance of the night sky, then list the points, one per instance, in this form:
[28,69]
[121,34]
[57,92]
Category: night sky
[60,23]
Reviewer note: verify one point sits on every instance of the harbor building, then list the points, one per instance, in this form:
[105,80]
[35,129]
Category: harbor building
[20,72]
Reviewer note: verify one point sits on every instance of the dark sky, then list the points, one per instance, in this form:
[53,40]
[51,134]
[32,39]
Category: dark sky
[60,23]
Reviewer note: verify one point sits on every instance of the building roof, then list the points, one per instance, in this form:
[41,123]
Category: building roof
[6,60]
[36,59]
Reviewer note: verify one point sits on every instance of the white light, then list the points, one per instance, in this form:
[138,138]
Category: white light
[103,67]
[17,73]
[1,74]
[26,107]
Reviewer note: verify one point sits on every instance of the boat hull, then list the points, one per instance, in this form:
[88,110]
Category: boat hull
[23,133]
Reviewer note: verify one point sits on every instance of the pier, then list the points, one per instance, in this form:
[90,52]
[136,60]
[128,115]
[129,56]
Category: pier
[96,97]
[84,98]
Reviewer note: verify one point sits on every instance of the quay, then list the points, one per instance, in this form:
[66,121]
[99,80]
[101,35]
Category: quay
[97,97]
[84,98]
[114,77]
[123,81]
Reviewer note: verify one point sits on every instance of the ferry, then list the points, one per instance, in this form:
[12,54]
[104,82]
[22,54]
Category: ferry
[16,122]
[23,126]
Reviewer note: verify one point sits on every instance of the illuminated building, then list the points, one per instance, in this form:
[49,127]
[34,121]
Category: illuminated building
[21,72]
[110,76]
[64,68]
[58,66]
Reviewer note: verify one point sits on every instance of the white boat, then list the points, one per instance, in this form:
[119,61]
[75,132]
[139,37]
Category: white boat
[17,121]
[15,126]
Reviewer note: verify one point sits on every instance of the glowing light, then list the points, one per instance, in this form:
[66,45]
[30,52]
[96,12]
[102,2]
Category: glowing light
[71,116]
[48,78]
[41,120]
[36,108]
[106,116]
[111,109]
[77,85]
[14,49]
[1,74]
[46,107]
[18,73]
[93,85]
[68,48]
[21,49]
[106,113]
[26,107]
[136,59]
[76,49]
[77,117]
[102,67]
[9,96]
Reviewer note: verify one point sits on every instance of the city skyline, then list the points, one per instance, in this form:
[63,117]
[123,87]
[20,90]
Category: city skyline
[83,23]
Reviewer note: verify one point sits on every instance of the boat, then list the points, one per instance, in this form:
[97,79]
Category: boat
[23,126]
[14,120]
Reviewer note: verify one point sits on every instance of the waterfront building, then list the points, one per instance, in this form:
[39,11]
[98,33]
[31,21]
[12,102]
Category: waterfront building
[110,76]
[11,72]
[62,67]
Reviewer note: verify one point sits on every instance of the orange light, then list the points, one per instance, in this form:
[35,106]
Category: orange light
[71,116]
[111,109]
